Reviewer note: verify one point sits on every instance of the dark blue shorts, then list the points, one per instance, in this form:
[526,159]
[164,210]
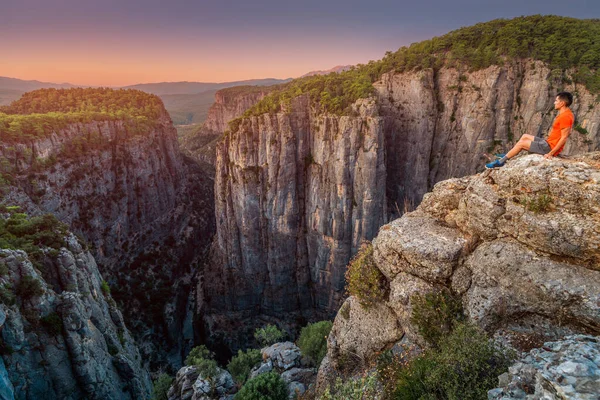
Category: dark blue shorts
[539,146]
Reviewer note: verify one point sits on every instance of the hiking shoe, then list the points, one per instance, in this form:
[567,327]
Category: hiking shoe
[499,155]
[495,164]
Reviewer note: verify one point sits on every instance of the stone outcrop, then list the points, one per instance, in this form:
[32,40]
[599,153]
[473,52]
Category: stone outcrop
[145,210]
[566,369]
[518,244]
[296,192]
[68,339]
[189,384]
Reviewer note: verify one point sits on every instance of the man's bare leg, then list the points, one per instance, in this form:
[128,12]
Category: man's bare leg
[523,144]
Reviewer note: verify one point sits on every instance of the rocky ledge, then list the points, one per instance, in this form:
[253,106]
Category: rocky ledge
[519,245]
[566,369]
[62,336]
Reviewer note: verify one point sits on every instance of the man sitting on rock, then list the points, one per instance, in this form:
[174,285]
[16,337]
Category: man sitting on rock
[561,128]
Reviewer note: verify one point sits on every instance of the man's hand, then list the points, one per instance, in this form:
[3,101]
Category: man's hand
[548,156]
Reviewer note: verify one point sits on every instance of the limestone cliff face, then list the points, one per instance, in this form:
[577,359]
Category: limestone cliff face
[229,104]
[519,245]
[144,208]
[295,196]
[296,192]
[70,341]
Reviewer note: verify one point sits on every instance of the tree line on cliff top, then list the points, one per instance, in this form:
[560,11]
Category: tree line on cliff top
[563,43]
[41,112]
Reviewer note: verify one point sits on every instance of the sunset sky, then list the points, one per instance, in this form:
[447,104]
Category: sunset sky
[121,42]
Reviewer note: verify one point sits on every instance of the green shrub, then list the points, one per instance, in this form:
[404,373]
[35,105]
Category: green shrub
[268,335]
[53,324]
[581,129]
[29,287]
[202,358]
[466,366]
[434,314]
[3,269]
[364,388]
[105,288]
[313,340]
[389,365]
[161,387]
[269,386]
[364,280]
[241,365]
[30,234]
[538,204]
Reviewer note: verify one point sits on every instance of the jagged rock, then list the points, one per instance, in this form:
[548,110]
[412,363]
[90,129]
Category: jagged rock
[566,369]
[7,392]
[263,368]
[520,245]
[418,245]
[296,389]
[223,384]
[70,341]
[510,281]
[355,339]
[304,375]
[283,356]
[189,385]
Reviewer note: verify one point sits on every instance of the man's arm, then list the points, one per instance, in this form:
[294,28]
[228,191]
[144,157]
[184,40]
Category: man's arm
[564,134]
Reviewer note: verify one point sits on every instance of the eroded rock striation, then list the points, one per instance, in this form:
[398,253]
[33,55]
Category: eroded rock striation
[518,244]
[63,336]
[145,209]
[296,192]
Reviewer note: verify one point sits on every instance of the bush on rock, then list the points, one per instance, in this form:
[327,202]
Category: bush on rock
[240,366]
[313,340]
[269,386]
[364,280]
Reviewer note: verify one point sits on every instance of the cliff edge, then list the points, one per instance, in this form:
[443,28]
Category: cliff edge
[519,245]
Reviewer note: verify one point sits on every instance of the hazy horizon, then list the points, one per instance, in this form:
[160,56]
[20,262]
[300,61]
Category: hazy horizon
[120,43]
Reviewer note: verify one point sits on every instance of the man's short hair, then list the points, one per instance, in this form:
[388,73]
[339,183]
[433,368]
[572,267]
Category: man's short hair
[566,97]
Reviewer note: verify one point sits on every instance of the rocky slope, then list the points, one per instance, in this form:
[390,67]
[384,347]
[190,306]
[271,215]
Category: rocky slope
[144,208]
[518,244]
[63,336]
[296,192]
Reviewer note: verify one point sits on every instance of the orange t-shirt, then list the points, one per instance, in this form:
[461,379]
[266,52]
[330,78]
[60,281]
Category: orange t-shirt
[563,120]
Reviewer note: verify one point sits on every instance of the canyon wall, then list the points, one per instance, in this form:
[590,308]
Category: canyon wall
[296,192]
[145,210]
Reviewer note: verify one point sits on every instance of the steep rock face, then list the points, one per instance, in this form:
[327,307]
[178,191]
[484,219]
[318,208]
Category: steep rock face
[296,192]
[295,196]
[229,104]
[439,123]
[70,342]
[145,209]
[518,244]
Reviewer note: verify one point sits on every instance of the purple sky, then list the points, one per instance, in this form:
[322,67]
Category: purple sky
[132,41]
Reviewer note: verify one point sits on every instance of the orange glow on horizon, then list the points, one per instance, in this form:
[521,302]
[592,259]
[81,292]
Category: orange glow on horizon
[107,63]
